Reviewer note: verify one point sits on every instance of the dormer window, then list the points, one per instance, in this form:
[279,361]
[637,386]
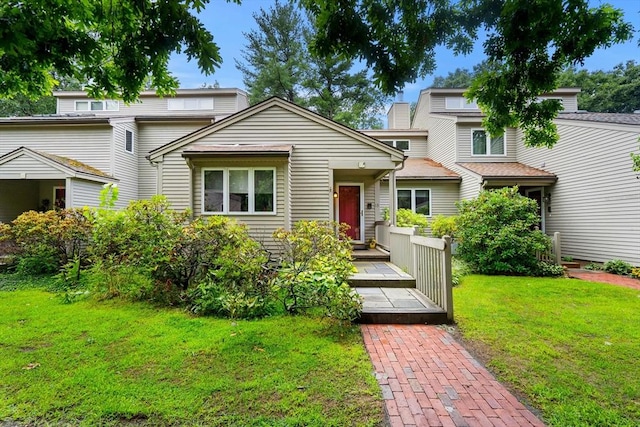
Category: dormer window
[94,105]
[459,103]
[191,103]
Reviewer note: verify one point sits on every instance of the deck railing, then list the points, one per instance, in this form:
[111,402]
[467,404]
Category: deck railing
[555,254]
[382,234]
[428,260]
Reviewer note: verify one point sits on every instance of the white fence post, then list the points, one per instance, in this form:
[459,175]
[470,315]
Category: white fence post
[557,248]
[448,278]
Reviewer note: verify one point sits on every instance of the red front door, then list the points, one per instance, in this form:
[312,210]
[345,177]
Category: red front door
[349,209]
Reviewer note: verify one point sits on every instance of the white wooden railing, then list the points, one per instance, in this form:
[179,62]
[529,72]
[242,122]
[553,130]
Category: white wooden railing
[382,234]
[555,254]
[428,260]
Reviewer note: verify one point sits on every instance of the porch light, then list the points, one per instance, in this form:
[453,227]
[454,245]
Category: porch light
[335,194]
[547,198]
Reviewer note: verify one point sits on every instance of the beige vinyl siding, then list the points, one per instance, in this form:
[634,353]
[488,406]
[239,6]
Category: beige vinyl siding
[595,204]
[464,146]
[87,144]
[471,184]
[125,164]
[152,135]
[441,145]
[384,197]
[176,179]
[421,114]
[83,193]
[261,226]
[17,196]
[444,195]
[26,167]
[153,105]
[398,116]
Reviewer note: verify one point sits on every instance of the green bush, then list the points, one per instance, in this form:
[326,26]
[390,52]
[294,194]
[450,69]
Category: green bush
[408,218]
[459,269]
[313,269]
[109,280]
[593,266]
[635,272]
[444,226]
[46,241]
[617,266]
[497,235]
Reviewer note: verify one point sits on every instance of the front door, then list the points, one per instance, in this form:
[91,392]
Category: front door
[350,210]
[537,194]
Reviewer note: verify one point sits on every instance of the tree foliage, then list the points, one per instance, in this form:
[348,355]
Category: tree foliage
[277,62]
[614,91]
[529,43]
[114,45]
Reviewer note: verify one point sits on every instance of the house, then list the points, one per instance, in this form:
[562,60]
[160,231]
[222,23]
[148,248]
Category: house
[585,186]
[268,165]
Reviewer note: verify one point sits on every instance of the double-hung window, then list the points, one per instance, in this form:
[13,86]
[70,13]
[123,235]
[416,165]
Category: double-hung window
[128,141]
[483,144]
[239,190]
[400,144]
[415,199]
[92,105]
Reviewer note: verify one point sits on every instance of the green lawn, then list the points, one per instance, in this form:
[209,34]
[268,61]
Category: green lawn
[571,347]
[104,363]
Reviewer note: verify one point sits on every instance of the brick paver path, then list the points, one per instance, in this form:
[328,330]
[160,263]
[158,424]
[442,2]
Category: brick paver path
[604,277]
[429,379]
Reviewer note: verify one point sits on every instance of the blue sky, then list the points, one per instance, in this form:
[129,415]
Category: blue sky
[228,21]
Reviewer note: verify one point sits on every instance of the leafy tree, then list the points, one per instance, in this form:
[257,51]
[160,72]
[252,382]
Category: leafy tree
[114,45]
[23,105]
[274,55]
[277,62]
[461,77]
[530,42]
[615,91]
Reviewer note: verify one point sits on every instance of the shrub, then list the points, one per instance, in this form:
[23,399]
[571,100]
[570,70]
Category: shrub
[313,269]
[46,241]
[548,269]
[617,266]
[444,226]
[497,235]
[108,280]
[593,266]
[459,269]
[635,272]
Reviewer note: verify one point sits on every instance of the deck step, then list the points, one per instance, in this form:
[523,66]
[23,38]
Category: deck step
[367,254]
[380,274]
[399,306]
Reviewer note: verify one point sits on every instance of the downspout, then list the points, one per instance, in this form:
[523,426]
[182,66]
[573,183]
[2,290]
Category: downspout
[392,191]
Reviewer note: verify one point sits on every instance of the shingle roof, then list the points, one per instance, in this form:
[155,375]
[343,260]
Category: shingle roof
[74,164]
[617,118]
[425,169]
[505,170]
[236,149]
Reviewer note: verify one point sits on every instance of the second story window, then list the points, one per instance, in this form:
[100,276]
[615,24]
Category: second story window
[128,141]
[93,105]
[175,104]
[483,144]
[400,144]
[459,103]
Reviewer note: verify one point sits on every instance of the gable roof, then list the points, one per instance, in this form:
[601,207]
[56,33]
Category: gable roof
[265,105]
[70,167]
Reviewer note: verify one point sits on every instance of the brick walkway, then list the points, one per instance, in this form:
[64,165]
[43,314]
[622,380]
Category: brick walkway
[429,379]
[603,277]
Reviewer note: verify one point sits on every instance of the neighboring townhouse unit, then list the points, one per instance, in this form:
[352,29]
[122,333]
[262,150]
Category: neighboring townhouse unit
[585,186]
[63,160]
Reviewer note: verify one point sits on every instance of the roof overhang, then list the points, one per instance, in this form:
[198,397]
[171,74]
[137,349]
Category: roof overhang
[212,151]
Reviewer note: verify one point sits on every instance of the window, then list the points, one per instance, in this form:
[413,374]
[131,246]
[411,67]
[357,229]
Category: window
[459,103]
[91,105]
[415,199]
[482,144]
[399,144]
[190,103]
[239,191]
[128,141]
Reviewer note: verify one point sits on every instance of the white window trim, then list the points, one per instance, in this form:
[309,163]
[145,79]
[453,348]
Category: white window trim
[461,103]
[89,101]
[179,104]
[413,198]
[393,143]
[225,191]
[488,144]
[133,142]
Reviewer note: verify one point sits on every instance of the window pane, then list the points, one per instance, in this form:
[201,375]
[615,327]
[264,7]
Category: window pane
[82,106]
[402,145]
[238,191]
[213,191]
[404,199]
[479,142]
[263,185]
[422,202]
[96,106]
[191,104]
[497,144]
[112,105]
[128,145]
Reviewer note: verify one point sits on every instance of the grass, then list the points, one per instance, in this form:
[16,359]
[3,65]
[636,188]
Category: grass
[570,346]
[115,363]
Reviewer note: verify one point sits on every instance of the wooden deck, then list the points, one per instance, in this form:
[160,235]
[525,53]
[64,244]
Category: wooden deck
[390,296]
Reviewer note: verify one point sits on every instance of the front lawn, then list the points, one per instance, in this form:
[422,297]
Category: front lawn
[570,346]
[117,363]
